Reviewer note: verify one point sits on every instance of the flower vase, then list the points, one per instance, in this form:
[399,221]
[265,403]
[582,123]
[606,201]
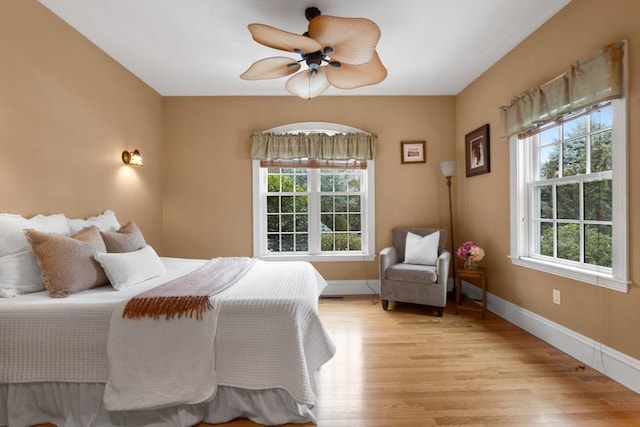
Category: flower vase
[469,264]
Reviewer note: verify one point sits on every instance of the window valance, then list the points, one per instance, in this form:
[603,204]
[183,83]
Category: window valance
[588,82]
[313,146]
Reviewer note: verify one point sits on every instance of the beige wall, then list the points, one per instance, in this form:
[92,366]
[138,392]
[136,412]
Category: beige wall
[583,26]
[207,180]
[67,111]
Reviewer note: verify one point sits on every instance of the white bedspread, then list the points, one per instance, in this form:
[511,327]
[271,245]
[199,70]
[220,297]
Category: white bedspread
[275,329]
[45,339]
[159,363]
[270,336]
[267,331]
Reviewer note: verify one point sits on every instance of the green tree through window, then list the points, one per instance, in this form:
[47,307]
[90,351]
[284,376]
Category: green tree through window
[340,212]
[287,210]
[573,192]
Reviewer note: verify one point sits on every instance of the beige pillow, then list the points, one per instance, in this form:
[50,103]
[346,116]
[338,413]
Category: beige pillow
[128,238]
[67,264]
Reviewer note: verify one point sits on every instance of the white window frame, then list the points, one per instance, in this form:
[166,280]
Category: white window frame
[521,168]
[260,206]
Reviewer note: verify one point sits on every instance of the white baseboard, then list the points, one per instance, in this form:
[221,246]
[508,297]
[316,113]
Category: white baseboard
[351,287]
[610,362]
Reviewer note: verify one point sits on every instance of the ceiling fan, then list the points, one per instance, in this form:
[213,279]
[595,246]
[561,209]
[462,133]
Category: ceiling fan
[338,52]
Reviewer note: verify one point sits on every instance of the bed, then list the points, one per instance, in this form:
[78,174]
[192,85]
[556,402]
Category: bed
[75,361]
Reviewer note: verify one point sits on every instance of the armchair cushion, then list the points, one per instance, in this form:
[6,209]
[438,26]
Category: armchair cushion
[422,250]
[413,273]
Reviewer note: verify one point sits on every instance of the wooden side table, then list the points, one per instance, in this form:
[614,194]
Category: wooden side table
[478,275]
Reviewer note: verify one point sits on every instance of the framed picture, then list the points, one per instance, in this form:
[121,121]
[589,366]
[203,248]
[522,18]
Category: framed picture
[477,151]
[413,152]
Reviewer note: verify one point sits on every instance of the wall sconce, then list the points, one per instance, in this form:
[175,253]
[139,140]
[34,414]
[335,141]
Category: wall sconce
[132,158]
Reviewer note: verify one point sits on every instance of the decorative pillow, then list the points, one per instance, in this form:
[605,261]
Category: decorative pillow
[67,263]
[19,271]
[127,239]
[130,268]
[421,250]
[106,221]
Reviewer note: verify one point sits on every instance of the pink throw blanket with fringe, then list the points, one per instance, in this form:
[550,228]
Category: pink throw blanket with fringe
[190,294]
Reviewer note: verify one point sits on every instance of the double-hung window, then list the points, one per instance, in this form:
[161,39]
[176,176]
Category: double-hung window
[314,209]
[569,193]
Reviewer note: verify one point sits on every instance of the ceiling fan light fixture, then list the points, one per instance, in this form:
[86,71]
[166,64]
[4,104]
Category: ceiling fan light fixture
[314,59]
[307,86]
[337,51]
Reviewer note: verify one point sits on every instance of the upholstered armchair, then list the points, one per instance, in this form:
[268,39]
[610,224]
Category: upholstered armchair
[415,269]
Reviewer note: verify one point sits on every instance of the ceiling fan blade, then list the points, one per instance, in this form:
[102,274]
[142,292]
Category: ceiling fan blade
[307,86]
[353,76]
[283,40]
[271,68]
[353,39]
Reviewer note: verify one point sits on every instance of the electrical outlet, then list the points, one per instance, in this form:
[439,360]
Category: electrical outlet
[556,296]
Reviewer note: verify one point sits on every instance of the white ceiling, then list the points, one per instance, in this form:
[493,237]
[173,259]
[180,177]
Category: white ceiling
[200,47]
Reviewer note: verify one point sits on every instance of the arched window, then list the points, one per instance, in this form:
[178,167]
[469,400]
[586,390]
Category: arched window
[313,193]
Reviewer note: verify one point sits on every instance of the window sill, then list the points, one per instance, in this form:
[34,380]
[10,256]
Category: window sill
[318,258]
[587,276]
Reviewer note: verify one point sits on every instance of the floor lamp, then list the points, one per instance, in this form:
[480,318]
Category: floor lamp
[448,168]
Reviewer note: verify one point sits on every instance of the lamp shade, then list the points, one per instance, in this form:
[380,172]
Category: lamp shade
[448,168]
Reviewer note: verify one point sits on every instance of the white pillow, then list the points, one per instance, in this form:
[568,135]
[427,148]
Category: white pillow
[106,221]
[127,269]
[422,250]
[19,270]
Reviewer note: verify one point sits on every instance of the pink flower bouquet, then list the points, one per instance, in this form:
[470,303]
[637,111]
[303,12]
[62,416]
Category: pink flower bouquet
[470,249]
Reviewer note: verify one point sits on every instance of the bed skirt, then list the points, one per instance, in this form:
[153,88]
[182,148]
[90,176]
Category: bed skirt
[80,405]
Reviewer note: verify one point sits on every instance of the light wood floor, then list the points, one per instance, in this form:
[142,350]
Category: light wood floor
[407,368]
